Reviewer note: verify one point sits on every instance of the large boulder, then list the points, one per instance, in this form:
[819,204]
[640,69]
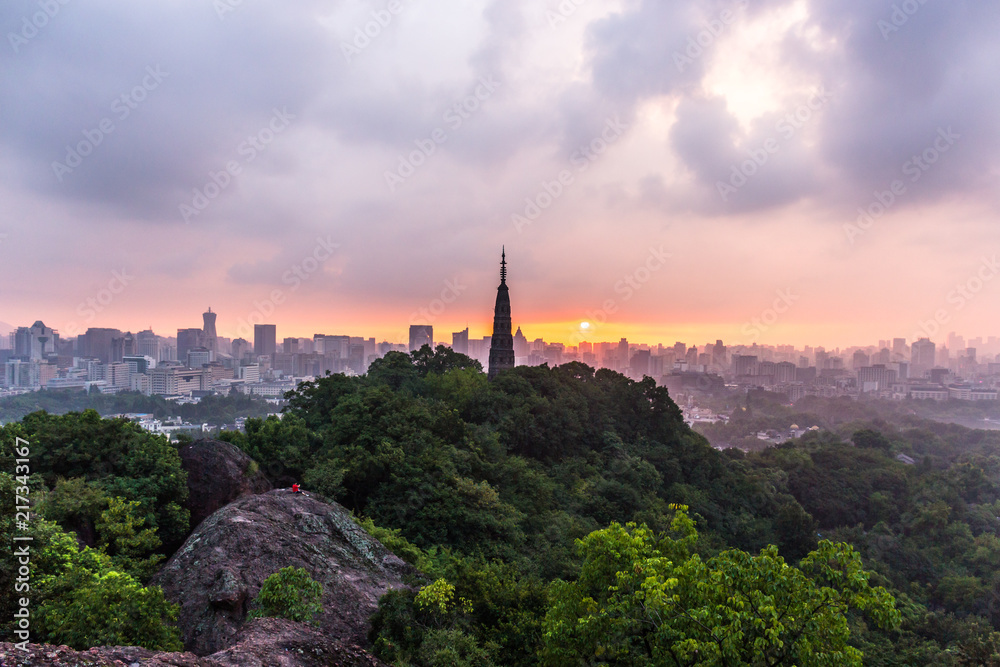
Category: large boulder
[218,473]
[219,570]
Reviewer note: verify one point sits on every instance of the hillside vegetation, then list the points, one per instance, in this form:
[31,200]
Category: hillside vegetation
[562,516]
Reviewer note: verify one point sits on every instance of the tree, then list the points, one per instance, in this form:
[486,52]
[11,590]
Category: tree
[871,439]
[643,599]
[122,536]
[112,609]
[77,597]
[75,505]
[114,455]
[441,360]
[289,593]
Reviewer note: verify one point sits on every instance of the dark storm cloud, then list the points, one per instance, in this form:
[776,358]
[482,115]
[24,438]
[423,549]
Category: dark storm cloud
[900,78]
[215,82]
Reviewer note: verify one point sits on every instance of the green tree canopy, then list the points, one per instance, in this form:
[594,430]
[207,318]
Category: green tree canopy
[646,599]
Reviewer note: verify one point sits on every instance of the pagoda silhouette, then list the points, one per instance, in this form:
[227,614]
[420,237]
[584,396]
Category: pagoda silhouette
[502,344]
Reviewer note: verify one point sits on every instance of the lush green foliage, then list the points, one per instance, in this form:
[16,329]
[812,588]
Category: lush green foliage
[78,597]
[112,609]
[647,599]
[289,593]
[115,456]
[122,536]
[486,487]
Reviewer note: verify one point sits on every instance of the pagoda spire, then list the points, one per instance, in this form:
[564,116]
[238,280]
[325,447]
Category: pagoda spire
[502,342]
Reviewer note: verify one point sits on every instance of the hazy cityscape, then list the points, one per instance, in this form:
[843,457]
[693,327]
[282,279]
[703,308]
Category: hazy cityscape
[196,362]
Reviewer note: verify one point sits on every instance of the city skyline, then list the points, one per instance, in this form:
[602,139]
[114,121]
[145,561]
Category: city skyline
[689,166]
[444,336]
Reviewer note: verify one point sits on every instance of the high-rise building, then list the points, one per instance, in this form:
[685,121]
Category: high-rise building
[955,342]
[35,343]
[460,341]
[265,339]
[922,357]
[899,347]
[420,335]
[122,347]
[96,343]
[522,350]
[140,363]
[719,355]
[240,348]
[784,372]
[290,346]
[148,344]
[209,340]
[502,342]
[198,357]
[188,339]
[622,356]
[639,365]
[744,365]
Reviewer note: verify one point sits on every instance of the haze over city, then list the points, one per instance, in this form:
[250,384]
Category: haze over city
[661,171]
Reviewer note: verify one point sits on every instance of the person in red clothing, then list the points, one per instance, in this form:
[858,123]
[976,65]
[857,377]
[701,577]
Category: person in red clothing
[295,488]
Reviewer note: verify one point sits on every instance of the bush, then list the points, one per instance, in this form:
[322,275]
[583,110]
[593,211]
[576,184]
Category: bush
[289,593]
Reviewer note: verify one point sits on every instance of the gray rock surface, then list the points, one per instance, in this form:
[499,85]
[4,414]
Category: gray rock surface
[220,568]
[218,473]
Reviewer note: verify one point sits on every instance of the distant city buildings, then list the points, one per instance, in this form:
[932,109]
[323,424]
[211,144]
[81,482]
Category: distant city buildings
[265,339]
[460,341]
[420,335]
[209,337]
[198,361]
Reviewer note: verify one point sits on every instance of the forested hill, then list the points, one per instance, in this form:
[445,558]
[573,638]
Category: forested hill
[562,516]
[517,468]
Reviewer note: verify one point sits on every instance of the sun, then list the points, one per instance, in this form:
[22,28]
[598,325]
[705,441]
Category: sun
[584,325]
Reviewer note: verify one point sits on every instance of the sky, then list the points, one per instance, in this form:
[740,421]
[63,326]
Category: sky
[770,171]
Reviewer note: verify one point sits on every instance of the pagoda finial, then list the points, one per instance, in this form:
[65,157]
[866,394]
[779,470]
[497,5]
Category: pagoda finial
[503,265]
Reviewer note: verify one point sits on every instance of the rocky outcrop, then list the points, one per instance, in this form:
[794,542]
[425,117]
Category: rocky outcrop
[273,642]
[218,473]
[263,642]
[219,570]
[119,656]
